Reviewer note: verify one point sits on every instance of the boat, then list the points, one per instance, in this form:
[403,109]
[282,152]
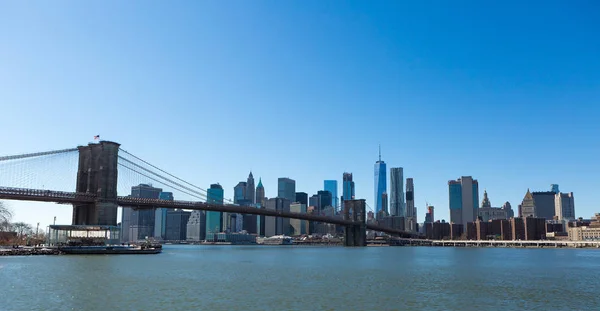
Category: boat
[87,246]
[276,240]
[109,250]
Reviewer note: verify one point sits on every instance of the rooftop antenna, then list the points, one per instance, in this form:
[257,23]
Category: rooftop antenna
[379,152]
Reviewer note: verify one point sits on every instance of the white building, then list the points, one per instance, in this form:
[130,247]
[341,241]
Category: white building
[564,206]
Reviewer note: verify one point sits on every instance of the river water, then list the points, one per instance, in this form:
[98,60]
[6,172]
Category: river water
[306,278]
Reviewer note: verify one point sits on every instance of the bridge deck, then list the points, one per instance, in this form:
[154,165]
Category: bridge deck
[40,195]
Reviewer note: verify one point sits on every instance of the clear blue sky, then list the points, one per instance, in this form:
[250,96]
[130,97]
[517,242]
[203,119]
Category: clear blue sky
[505,91]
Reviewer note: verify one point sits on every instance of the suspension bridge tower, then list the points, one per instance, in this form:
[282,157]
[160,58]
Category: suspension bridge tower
[97,174]
[355,235]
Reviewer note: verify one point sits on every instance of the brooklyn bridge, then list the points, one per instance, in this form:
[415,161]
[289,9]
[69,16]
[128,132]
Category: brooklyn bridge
[104,168]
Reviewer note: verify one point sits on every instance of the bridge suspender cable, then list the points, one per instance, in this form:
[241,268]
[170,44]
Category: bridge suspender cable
[37,154]
[197,196]
[167,173]
[160,176]
[181,180]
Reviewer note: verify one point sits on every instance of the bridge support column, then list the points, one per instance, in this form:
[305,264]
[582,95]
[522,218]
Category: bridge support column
[97,174]
[355,235]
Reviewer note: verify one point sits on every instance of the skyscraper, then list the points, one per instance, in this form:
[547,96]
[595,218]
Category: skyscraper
[214,221]
[411,217]
[177,225]
[250,197]
[565,206]
[260,194]
[464,200]
[239,192]
[139,224]
[527,207]
[314,201]
[544,204]
[261,203]
[380,183]
[286,188]
[196,226]
[429,217]
[397,204]
[302,197]
[332,187]
[347,187]
[299,226]
[160,216]
[325,199]
[277,225]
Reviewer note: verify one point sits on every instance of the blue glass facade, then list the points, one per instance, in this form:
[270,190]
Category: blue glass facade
[380,185]
[214,221]
[455,191]
[332,187]
[160,216]
[239,192]
[348,187]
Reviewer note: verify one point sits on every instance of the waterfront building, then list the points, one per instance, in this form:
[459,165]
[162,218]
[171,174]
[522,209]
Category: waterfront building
[232,238]
[411,216]
[517,227]
[286,188]
[456,231]
[177,225]
[214,220]
[535,228]
[394,222]
[397,203]
[196,226]
[260,194]
[565,206]
[464,200]
[277,225]
[250,224]
[437,230]
[380,183]
[544,203]
[250,190]
[139,224]
[348,187]
[160,216]
[332,187]
[501,229]
[299,227]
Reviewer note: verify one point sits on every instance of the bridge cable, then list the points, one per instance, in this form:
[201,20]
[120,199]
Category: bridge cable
[160,176]
[36,154]
[181,180]
[160,182]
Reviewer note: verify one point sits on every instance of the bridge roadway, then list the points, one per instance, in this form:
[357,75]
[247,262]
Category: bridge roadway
[62,197]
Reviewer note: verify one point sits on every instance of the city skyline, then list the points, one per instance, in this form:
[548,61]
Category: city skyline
[449,91]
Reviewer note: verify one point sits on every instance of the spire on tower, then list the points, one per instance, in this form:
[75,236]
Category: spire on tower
[379,152]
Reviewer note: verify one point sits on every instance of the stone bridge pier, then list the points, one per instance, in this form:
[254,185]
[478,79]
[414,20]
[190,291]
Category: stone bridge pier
[355,235]
[97,174]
